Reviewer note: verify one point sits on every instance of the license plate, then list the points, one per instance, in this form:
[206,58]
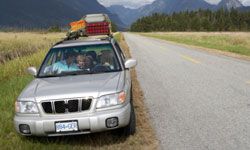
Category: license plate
[67,126]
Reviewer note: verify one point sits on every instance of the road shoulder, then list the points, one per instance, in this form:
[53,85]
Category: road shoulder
[204,49]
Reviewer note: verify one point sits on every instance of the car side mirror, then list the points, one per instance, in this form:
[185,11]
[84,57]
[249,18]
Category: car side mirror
[32,71]
[130,63]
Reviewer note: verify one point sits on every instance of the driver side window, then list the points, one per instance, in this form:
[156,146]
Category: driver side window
[54,58]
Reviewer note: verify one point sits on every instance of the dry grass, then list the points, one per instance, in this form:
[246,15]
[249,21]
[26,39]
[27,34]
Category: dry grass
[14,45]
[228,42]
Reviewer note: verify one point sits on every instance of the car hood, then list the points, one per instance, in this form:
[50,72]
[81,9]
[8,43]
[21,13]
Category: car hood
[93,85]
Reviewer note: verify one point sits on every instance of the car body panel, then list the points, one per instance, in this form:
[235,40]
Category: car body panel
[73,87]
[88,123]
[88,41]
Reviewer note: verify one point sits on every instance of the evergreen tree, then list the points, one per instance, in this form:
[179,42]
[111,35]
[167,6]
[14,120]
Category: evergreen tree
[201,20]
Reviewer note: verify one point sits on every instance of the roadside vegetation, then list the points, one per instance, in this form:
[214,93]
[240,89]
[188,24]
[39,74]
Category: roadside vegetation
[235,42]
[13,78]
[14,45]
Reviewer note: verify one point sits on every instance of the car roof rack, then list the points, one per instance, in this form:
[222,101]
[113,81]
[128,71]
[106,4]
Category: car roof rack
[108,37]
[89,25]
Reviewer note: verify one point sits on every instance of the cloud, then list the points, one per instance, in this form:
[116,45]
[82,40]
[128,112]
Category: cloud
[213,1]
[246,2]
[126,3]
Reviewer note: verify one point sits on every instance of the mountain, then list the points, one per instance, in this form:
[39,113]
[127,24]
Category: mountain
[229,4]
[45,13]
[127,15]
[170,6]
[158,6]
[244,9]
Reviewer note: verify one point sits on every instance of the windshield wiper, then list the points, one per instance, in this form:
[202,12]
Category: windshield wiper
[59,75]
[48,76]
[82,72]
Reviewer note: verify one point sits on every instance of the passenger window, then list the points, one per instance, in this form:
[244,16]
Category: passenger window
[120,51]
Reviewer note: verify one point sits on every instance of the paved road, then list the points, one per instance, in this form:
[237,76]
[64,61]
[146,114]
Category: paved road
[196,100]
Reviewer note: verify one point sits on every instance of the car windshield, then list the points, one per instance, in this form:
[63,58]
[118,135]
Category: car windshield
[89,59]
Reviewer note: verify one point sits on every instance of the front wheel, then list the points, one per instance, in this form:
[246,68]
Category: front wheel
[130,129]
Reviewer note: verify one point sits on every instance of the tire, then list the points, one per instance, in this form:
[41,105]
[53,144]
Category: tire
[130,129]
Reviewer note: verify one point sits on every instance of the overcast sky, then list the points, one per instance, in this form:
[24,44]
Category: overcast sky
[126,3]
[139,3]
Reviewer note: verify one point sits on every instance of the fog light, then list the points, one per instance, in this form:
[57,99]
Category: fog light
[24,128]
[112,122]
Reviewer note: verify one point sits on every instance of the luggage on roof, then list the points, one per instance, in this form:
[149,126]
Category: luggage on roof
[90,25]
[75,26]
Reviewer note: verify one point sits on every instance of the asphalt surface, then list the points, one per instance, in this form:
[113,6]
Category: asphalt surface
[196,100]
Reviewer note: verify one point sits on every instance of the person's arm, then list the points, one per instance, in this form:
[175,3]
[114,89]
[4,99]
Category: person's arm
[56,69]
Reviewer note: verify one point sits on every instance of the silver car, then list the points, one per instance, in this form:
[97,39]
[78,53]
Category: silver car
[82,86]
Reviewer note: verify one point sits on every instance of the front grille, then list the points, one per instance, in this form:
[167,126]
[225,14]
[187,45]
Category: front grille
[86,104]
[60,107]
[73,106]
[66,106]
[47,107]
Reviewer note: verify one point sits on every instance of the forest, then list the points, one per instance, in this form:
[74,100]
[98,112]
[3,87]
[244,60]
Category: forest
[200,20]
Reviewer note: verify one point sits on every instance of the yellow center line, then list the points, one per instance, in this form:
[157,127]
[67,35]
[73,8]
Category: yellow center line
[190,59]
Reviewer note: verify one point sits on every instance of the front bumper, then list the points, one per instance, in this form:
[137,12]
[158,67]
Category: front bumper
[87,123]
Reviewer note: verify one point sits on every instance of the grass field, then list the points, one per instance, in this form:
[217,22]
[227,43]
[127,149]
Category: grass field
[13,45]
[235,42]
[13,78]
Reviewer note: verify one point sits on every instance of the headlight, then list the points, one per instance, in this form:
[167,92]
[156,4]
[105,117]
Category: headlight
[111,100]
[26,107]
